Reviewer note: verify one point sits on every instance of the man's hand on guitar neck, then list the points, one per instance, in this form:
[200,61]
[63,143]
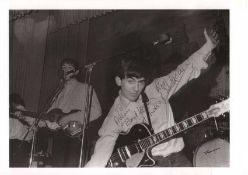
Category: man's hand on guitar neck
[218,108]
[19,115]
[213,111]
[18,112]
[52,125]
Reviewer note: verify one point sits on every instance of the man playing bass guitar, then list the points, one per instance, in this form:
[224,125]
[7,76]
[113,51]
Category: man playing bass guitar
[70,102]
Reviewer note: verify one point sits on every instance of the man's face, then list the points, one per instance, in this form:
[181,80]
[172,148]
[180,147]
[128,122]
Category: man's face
[68,71]
[131,87]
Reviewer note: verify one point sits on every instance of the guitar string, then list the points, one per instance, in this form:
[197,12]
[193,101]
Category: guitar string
[145,144]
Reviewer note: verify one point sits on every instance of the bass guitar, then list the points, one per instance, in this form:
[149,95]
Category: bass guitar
[72,128]
[133,149]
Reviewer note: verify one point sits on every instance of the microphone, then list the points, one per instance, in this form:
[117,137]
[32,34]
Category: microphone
[61,77]
[69,72]
[90,66]
[164,39]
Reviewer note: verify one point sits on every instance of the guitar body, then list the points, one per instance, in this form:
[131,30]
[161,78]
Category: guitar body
[141,159]
[72,128]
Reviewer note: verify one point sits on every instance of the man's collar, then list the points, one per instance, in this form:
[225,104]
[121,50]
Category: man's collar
[71,81]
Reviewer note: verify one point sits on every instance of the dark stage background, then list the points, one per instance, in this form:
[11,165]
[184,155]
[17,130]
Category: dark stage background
[40,39]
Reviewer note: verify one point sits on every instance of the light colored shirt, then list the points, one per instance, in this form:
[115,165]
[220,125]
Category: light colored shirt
[17,130]
[124,114]
[73,97]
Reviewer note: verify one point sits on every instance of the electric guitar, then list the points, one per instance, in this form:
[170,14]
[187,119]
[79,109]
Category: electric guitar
[72,128]
[133,149]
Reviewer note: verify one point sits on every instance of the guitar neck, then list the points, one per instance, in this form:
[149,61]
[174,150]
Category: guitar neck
[172,131]
[27,114]
[52,115]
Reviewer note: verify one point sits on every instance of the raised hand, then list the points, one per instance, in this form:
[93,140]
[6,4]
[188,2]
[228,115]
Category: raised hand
[212,37]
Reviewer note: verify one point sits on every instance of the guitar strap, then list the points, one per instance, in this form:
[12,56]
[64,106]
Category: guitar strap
[145,100]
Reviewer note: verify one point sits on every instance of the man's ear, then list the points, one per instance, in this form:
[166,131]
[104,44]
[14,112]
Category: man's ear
[118,81]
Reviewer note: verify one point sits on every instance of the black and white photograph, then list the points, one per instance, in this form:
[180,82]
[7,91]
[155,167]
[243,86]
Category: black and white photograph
[119,88]
[149,90]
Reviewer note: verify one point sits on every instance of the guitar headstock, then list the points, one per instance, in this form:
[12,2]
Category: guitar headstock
[219,108]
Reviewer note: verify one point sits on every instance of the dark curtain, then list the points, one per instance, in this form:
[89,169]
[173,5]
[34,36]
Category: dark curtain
[66,43]
[27,47]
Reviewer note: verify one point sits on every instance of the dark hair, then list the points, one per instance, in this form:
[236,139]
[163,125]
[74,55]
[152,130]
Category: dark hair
[16,98]
[73,62]
[133,67]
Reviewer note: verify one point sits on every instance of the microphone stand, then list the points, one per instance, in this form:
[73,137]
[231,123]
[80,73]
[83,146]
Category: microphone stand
[33,128]
[36,123]
[89,91]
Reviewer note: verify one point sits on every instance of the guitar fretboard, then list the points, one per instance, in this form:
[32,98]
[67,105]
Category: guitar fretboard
[172,131]
[26,114]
